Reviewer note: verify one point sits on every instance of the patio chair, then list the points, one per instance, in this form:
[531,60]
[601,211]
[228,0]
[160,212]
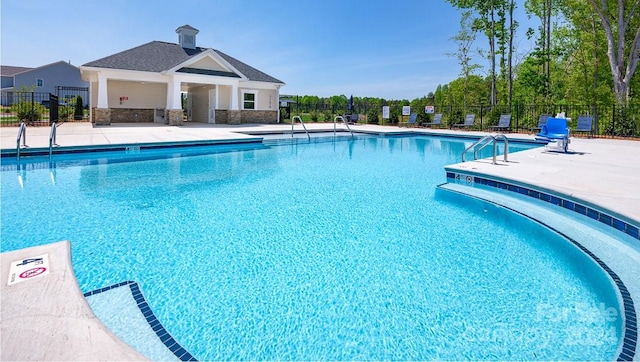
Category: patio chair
[437,120]
[585,124]
[555,130]
[468,121]
[541,122]
[504,124]
[412,120]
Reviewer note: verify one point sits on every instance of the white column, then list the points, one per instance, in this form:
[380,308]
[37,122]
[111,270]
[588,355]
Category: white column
[278,103]
[234,97]
[103,95]
[174,98]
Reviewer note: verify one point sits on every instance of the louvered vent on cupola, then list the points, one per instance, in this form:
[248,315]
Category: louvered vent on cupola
[187,36]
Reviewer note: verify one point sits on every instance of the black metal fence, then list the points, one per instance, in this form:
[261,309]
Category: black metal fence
[33,107]
[608,120]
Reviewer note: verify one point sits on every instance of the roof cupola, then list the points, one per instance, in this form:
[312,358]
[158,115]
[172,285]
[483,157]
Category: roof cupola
[187,36]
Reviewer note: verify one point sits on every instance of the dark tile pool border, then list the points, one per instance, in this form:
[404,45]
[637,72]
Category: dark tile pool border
[571,205]
[154,323]
[630,336]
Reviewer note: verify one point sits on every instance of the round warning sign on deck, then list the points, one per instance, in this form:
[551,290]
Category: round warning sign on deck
[32,272]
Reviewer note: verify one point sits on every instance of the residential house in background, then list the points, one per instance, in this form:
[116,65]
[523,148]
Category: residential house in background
[159,81]
[60,78]
[7,73]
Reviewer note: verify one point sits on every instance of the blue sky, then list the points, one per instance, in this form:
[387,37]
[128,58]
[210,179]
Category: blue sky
[372,48]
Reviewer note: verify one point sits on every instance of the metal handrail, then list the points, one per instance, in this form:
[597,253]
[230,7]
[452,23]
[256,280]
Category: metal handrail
[335,119]
[293,121]
[482,142]
[22,135]
[52,138]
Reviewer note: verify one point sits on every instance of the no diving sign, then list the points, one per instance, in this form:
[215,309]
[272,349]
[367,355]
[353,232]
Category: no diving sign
[28,269]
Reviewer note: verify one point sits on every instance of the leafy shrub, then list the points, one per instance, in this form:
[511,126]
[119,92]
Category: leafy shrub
[394,116]
[625,123]
[314,116]
[65,112]
[492,117]
[423,117]
[372,116]
[28,111]
[327,116]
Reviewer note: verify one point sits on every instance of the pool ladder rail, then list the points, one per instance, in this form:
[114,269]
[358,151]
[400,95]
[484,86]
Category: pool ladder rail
[484,142]
[52,138]
[340,118]
[22,136]
[293,122]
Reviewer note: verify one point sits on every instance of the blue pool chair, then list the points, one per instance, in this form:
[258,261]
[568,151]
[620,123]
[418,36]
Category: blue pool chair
[541,122]
[555,130]
[437,120]
[469,119]
[504,124]
[412,120]
[585,124]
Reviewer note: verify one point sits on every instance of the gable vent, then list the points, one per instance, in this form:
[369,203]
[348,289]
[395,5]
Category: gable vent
[187,36]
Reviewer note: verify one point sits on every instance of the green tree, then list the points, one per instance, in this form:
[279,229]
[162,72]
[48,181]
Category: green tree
[464,40]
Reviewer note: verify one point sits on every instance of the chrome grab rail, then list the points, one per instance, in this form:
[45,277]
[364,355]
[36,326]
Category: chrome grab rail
[484,142]
[293,121]
[335,119]
[22,135]
[52,138]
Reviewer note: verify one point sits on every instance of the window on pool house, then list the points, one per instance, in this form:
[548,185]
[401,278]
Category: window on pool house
[40,82]
[249,100]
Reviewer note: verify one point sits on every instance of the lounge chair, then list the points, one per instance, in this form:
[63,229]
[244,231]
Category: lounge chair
[468,121]
[351,118]
[541,122]
[555,130]
[504,124]
[412,120]
[585,124]
[437,120]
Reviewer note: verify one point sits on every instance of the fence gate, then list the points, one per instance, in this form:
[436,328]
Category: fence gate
[53,108]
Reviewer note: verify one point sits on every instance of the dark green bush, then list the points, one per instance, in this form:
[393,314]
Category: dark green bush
[28,111]
[78,112]
[372,116]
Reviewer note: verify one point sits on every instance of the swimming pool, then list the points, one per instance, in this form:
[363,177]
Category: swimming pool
[333,250]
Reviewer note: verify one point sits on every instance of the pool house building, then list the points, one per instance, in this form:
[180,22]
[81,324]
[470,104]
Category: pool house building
[166,82]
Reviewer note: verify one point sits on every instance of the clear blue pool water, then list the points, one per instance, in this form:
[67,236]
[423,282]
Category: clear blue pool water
[324,251]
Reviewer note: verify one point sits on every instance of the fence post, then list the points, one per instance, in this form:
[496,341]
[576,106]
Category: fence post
[613,121]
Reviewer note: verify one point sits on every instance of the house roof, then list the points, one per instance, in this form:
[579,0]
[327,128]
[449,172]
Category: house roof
[9,71]
[158,56]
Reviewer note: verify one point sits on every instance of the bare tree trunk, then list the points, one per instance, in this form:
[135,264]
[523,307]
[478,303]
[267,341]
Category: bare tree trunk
[547,45]
[616,47]
[510,65]
[492,49]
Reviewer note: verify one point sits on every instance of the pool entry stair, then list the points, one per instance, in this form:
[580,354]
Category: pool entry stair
[135,322]
[595,241]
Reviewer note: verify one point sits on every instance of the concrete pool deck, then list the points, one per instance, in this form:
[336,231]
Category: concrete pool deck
[601,172]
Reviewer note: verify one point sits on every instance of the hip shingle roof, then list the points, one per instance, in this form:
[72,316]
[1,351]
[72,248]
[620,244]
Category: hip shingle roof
[157,56]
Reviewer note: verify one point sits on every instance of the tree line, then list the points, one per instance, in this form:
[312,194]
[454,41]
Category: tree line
[586,52]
